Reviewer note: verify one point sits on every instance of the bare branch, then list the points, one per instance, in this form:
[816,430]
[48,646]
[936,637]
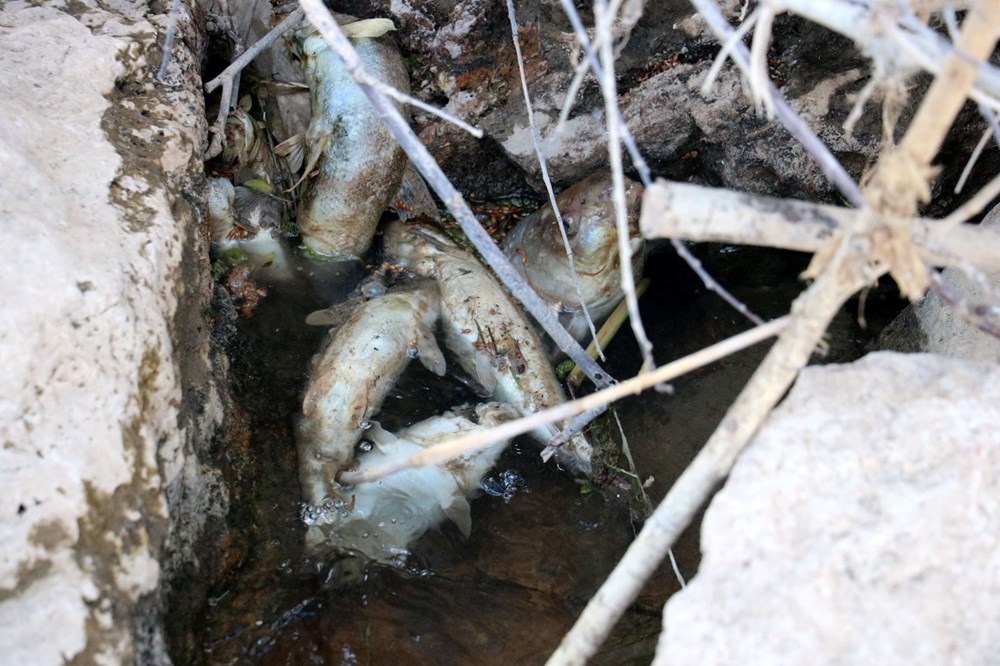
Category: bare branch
[425,164]
[536,141]
[456,447]
[827,162]
[604,20]
[229,74]
[168,43]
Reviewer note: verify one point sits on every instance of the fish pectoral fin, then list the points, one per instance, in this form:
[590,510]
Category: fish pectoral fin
[485,375]
[293,149]
[430,353]
[368,28]
[325,317]
[460,513]
[378,435]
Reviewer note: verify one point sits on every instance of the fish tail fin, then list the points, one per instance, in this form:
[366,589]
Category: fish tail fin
[368,28]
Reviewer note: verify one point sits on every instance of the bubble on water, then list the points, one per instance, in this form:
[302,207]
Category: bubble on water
[364,535]
[366,425]
[364,446]
[372,288]
[506,484]
[413,352]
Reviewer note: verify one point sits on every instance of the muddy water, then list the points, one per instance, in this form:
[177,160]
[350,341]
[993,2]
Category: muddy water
[509,593]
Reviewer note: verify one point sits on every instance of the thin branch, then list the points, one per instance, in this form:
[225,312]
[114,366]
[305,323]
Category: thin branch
[607,333]
[977,315]
[604,20]
[535,140]
[168,43]
[974,157]
[798,128]
[403,98]
[456,447]
[425,164]
[979,201]
[229,75]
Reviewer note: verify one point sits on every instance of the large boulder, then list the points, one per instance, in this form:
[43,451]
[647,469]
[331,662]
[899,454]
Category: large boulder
[106,386]
[861,525]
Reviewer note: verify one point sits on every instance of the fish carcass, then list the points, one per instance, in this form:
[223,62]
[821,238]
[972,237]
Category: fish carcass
[352,375]
[382,519]
[358,164]
[490,335]
[246,227]
[536,249]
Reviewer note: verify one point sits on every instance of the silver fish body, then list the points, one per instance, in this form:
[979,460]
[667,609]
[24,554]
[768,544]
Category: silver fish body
[491,337]
[536,249]
[352,375]
[382,519]
[360,165]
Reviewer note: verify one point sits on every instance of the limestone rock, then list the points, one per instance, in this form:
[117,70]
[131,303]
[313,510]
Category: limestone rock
[100,324]
[933,325]
[861,525]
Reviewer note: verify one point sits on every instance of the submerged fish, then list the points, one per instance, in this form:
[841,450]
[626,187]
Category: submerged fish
[490,335]
[382,519]
[358,164]
[536,249]
[352,375]
[246,228]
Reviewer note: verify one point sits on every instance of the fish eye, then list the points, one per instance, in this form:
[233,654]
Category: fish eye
[571,225]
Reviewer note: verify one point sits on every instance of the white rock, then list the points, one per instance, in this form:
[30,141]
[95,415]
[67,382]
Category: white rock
[89,394]
[861,526]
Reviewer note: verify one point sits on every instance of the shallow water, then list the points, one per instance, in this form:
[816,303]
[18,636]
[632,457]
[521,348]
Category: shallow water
[513,589]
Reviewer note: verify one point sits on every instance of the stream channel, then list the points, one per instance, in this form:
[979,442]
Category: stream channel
[510,592]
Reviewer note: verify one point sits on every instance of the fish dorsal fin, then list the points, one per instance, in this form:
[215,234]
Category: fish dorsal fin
[368,28]
[293,149]
[335,315]
[460,513]
[430,353]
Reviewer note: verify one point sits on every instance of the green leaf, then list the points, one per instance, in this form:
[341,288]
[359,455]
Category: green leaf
[258,185]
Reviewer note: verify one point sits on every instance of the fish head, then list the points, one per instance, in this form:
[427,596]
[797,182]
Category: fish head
[588,213]
[416,248]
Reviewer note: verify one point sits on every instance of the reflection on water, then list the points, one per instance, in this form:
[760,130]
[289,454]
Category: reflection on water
[535,555]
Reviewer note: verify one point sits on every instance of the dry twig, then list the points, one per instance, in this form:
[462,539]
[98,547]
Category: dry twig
[543,165]
[604,20]
[228,76]
[456,447]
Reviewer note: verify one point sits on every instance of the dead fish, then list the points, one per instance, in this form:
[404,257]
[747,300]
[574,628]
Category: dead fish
[246,228]
[358,164]
[536,249]
[490,335]
[352,375]
[382,519]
